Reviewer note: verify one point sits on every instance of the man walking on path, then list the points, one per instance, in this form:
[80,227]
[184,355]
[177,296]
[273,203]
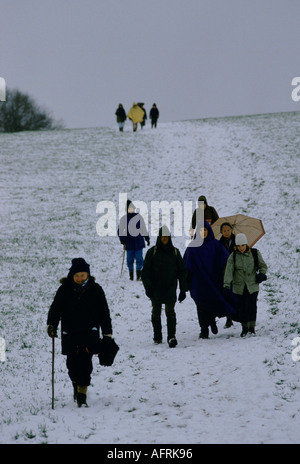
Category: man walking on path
[163,268]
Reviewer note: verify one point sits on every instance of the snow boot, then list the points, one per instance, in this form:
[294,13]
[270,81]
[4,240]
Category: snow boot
[130,275]
[204,333]
[172,342]
[138,275]
[214,328]
[228,323]
[81,396]
[244,331]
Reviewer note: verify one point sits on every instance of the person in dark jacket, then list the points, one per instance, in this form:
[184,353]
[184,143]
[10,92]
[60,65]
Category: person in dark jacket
[121,117]
[133,233]
[209,212]
[154,115]
[80,306]
[206,264]
[163,268]
[143,123]
[228,240]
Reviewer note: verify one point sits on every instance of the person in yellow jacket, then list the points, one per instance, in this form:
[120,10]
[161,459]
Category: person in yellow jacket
[136,115]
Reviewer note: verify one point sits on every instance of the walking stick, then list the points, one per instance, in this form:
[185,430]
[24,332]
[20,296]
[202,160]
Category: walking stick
[53,372]
[123,259]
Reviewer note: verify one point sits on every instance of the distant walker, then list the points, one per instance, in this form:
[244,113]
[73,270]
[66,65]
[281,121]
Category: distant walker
[154,115]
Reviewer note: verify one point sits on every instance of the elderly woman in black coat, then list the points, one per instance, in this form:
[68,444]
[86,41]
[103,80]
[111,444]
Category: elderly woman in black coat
[81,307]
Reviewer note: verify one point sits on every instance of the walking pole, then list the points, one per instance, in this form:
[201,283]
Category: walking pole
[53,372]
[123,259]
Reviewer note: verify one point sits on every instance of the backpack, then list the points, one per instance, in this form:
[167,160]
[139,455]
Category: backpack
[155,248]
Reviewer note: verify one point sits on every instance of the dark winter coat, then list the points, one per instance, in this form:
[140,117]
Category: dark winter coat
[141,105]
[154,114]
[210,213]
[228,244]
[81,313]
[121,114]
[134,235]
[206,264]
[163,268]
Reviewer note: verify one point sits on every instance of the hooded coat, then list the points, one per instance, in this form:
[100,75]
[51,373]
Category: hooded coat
[154,113]
[136,114]
[132,231]
[121,114]
[82,312]
[163,268]
[210,213]
[206,264]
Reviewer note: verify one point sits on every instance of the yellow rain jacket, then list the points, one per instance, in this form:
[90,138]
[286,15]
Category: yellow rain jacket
[135,113]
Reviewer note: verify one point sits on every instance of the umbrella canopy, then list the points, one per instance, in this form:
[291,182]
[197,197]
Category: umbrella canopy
[253,228]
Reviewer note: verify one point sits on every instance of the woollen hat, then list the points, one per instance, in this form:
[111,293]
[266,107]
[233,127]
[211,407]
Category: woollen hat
[203,198]
[241,239]
[78,265]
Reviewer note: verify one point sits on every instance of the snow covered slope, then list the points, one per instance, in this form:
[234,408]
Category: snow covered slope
[222,390]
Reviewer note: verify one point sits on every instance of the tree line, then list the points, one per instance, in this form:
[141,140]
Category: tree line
[20,112]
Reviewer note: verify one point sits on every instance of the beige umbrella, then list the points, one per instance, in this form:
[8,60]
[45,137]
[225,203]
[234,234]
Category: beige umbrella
[253,228]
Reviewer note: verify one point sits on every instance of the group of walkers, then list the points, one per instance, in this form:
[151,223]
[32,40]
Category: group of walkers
[137,114]
[222,276]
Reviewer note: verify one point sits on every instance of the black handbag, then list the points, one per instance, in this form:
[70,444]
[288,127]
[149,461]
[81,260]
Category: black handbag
[108,350]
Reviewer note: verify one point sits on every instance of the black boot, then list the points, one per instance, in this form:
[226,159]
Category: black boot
[214,327]
[244,331]
[138,275]
[130,275]
[228,323]
[172,342]
[81,396]
[204,332]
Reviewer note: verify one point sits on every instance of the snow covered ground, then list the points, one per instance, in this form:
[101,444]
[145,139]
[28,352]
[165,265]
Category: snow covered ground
[222,390]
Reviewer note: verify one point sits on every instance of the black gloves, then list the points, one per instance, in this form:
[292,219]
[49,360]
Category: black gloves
[260,278]
[51,331]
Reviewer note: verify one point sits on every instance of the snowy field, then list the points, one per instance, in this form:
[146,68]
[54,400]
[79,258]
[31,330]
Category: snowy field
[222,390]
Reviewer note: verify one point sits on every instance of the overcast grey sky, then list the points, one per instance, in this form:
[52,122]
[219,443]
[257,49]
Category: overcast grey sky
[194,58]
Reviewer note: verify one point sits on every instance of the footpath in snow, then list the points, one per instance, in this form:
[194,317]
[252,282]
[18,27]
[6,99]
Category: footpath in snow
[222,390]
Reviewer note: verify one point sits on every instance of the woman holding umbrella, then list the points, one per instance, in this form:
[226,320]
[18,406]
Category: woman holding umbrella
[227,238]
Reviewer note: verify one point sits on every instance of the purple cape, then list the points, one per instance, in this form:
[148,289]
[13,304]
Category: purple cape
[206,264]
